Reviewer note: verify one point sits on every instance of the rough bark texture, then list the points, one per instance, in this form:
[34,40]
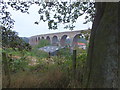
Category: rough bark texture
[103,59]
[119,44]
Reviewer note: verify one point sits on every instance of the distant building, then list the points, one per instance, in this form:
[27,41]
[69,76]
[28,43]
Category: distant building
[52,50]
[81,45]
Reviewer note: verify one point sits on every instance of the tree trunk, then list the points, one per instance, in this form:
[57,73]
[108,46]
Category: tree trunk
[102,70]
[6,69]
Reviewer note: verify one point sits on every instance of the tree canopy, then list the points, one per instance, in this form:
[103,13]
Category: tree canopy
[10,39]
[53,12]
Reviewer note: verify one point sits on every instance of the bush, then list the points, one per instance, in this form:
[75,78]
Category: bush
[39,53]
[18,64]
[64,52]
[42,43]
[81,58]
[17,60]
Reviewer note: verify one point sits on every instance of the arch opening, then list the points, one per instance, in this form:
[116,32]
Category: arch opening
[65,40]
[79,41]
[42,37]
[55,41]
[48,38]
[76,39]
[38,38]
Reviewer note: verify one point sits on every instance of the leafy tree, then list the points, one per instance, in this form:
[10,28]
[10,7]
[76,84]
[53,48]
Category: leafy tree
[10,39]
[52,12]
[25,39]
[65,12]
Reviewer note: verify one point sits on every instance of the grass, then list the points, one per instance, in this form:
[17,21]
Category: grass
[52,79]
[21,80]
[53,72]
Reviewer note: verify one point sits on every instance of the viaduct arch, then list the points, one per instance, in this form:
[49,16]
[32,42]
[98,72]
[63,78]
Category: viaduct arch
[59,39]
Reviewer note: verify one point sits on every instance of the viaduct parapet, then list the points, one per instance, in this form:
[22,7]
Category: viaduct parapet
[57,38]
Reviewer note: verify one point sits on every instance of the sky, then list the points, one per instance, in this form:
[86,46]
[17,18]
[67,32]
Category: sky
[24,23]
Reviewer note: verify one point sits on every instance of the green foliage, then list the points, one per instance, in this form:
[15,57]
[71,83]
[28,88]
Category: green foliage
[81,59]
[39,53]
[11,51]
[53,12]
[65,12]
[10,39]
[18,64]
[59,67]
[80,50]
[67,67]
[66,63]
[17,60]
[25,39]
[42,43]
[65,52]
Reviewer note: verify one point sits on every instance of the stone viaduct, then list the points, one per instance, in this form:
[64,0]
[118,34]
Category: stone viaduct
[57,38]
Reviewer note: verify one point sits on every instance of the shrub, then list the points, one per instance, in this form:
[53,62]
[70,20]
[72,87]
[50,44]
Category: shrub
[42,43]
[17,60]
[39,53]
[64,52]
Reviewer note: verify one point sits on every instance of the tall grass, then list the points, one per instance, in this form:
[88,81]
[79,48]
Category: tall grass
[53,72]
[52,79]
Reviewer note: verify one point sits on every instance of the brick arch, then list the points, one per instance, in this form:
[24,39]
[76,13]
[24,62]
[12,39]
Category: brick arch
[55,40]
[42,37]
[39,38]
[48,38]
[59,35]
[36,39]
[63,40]
[75,39]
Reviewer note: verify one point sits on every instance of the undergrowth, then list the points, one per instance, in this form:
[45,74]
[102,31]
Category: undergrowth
[49,72]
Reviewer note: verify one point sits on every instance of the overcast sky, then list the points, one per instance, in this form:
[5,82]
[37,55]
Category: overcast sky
[24,23]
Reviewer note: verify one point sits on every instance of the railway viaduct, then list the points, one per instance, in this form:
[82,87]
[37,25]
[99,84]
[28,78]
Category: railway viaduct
[57,38]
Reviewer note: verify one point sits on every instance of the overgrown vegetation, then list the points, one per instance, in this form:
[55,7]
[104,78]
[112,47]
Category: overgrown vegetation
[42,43]
[38,53]
[10,39]
[24,66]
[55,71]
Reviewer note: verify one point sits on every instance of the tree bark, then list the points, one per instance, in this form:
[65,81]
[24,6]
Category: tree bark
[102,69]
[6,69]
